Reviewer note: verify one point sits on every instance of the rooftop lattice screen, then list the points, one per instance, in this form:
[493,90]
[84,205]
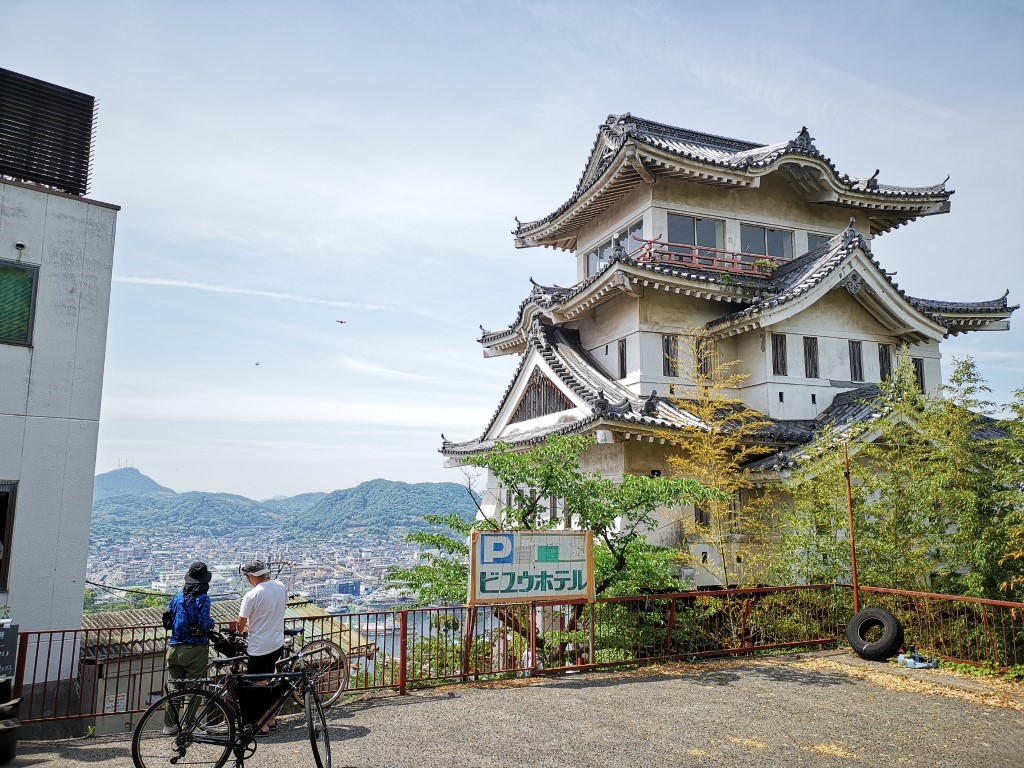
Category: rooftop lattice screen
[46,133]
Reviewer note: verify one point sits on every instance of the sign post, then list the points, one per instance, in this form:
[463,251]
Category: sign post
[530,566]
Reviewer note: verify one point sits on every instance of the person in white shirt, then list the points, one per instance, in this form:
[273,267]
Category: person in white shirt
[261,616]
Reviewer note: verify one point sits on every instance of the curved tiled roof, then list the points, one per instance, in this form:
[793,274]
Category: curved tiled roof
[761,293]
[608,400]
[747,158]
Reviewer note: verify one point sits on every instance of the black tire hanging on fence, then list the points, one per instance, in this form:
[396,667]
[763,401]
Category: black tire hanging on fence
[887,645]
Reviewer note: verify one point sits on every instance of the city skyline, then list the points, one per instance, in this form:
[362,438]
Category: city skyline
[284,169]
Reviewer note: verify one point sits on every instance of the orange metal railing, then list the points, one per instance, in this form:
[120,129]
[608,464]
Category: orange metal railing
[69,674]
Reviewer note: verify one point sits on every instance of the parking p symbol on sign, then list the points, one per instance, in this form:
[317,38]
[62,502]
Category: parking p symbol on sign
[496,548]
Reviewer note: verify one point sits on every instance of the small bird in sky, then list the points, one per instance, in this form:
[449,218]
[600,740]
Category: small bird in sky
[257,363]
[342,321]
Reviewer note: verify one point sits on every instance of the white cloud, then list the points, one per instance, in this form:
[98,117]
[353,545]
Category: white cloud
[170,283]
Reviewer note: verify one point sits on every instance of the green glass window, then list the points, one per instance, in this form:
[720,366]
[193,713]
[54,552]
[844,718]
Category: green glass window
[17,294]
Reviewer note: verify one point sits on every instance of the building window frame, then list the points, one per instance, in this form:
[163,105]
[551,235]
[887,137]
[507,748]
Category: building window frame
[856,360]
[884,361]
[17,323]
[822,240]
[760,240]
[670,354]
[918,363]
[811,369]
[780,365]
[628,237]
[621,346]
[8,506]
[699,232]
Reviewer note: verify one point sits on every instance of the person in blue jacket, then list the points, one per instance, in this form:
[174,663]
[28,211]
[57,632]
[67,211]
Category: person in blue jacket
[188,648]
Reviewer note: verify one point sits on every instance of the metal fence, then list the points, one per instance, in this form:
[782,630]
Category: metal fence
[111,674]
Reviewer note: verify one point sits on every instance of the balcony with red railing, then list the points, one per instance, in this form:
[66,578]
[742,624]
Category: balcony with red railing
[658,251]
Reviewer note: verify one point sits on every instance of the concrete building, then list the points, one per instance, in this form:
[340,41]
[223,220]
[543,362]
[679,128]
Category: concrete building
[759,252]
[56,256]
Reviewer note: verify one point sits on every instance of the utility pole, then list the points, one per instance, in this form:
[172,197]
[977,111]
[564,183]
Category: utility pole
[853,544]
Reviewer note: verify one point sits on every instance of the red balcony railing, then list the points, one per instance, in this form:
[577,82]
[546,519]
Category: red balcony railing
[701,257]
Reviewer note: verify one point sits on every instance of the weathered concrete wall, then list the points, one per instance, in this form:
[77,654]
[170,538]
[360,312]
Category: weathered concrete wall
[50,398]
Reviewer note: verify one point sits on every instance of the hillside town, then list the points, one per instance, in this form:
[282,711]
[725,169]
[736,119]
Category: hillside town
[342,575]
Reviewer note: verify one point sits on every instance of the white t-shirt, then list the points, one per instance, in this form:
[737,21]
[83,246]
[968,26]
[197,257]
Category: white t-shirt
[263,607]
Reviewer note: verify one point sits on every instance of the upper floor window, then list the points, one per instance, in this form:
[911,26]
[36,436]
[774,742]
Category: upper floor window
[816,241]
[629,238]
[919,371]
[706,350]
[856,361]
[884,361]
[690,230]
[17,302]
[811,357]
[779,365]
[669,354]
[765,241]
[622,358]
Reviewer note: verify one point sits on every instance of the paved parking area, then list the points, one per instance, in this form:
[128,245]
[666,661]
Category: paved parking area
[809,711]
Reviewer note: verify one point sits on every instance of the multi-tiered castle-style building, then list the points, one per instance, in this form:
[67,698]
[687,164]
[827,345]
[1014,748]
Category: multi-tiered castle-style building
[763,247]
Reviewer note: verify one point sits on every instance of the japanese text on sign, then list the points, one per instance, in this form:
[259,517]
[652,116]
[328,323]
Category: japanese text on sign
[518,566]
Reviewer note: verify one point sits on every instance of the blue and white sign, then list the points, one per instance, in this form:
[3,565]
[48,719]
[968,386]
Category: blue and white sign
[528,566]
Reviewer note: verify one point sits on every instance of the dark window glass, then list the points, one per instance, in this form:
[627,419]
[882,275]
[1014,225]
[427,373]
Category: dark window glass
[856,362]
[884,361]
[701,516]
[670,354]
[752,240]
[688,230]
[811,357]
[681,230]
[762,241]
[816,241]
[779,243]
[919,371]
[8,493]
[622,358]
[705,350]
[779,364]
[17,296]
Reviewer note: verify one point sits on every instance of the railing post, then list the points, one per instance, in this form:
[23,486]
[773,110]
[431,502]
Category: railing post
[671,625]
[19,674]
[403,636]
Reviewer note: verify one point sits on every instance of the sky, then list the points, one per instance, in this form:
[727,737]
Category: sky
[283,166]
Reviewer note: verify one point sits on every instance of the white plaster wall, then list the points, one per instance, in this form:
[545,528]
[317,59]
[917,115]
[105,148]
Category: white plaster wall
[50,397]
[601,330]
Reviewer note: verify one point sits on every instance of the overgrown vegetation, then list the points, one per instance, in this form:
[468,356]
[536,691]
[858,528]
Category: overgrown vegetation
[936,488]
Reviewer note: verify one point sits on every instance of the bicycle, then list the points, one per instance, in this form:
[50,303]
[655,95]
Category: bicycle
[326,663]
[206,724]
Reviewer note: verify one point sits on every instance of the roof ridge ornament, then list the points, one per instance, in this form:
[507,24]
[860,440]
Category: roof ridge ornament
[803,140]
[651,403]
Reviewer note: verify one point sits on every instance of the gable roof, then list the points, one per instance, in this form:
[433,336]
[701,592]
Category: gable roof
[630,151]
[606,403]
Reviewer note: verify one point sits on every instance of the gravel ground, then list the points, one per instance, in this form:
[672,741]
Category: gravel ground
[809,711]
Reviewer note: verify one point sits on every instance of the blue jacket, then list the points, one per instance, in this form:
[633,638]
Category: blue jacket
[191,619]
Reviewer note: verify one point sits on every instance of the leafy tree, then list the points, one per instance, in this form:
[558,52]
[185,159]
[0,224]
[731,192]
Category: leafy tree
[931,493]
[617,513]
[1011,481]
[725,436]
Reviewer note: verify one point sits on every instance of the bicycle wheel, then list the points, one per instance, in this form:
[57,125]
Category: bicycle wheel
[189,727]
[327,667]
[319,739]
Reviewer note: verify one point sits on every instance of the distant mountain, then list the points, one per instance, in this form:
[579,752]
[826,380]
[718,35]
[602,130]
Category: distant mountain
[127,503]
[126,480]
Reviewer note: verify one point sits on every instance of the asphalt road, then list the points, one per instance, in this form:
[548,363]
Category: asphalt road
[812,711]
